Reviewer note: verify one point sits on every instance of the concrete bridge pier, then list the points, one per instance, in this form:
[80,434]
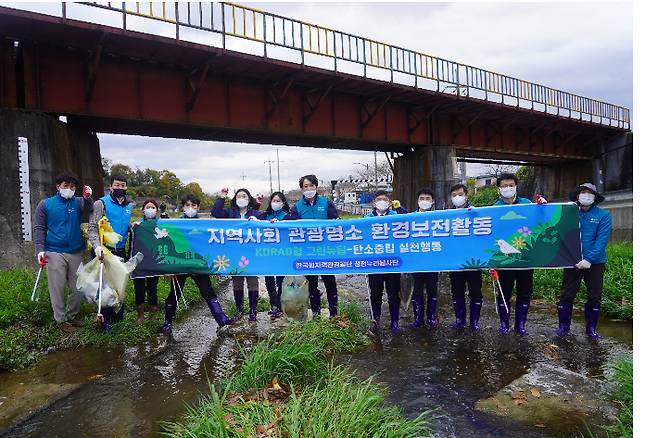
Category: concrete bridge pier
[53,147]
[434,167]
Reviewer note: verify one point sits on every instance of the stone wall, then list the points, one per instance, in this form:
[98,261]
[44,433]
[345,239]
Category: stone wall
[53,147]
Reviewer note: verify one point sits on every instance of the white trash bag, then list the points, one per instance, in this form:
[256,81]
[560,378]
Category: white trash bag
[294,297]
[116,274]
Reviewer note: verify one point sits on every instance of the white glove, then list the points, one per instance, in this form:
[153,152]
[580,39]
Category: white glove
[99,252]
[252,218]
[583,264]
[274,220]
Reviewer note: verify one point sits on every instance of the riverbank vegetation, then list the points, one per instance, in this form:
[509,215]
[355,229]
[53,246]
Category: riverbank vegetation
[622,377]
[617,298]
[28,331]
[288,385]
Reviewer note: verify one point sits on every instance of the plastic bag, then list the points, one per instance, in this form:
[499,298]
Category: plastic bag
[406,289]
[294,297]
[116,274]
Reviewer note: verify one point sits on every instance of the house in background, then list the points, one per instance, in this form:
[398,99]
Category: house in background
[485,180]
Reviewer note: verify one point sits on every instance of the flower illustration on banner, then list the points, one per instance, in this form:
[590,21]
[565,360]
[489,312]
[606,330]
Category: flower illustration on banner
[518,242]
[244,262]
[221,263]
[525,231]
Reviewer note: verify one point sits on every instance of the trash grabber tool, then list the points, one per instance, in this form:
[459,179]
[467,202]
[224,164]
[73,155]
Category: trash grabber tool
[372,314]
[35,295]
[496,277]
[180,289]
[99,315]
[408,300]
[173,285]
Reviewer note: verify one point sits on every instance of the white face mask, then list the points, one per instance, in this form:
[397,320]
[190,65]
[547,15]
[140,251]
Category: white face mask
[276,205]
[586,199]
[149,213]
[508,192]
[424,205]
[66,193]
[382,205]
[190,212]
[310,194]
[242,202]
[458,200]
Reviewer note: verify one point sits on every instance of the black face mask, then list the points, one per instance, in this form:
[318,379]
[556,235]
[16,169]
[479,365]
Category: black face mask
[119,193]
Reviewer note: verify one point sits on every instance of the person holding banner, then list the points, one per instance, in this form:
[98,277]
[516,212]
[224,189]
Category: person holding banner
[190,204]
[117,207]
[243,206]
[595,229]
[376,282]
[507,184]
[459,279]
[278,210]
[147,286]
[313,206]
[425,280]
[59,243]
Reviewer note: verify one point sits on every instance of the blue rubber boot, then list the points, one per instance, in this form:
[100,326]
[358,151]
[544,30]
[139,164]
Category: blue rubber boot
[591,319]
[419,313]
[521,315]
[253,304]
[217,313]
[170,311]
[503,315]
[459,305]
[475,308]
[394,309]
[564,312]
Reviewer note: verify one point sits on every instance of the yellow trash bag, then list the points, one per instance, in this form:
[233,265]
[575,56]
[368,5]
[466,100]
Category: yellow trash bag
[116,274]
[294,297]
[106,235]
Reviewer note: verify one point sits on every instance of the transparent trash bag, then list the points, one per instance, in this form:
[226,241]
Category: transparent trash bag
[116,274]
[294,297]
[406,289]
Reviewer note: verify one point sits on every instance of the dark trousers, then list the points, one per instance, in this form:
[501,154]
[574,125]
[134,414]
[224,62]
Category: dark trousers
[273,286]
[146,286]
[376,282]
[571,279]
[202,282]
[459,280]
[425,281]
[523,280]
[329,285]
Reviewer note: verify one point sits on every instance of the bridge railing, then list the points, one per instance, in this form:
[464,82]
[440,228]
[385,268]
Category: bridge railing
[232,20]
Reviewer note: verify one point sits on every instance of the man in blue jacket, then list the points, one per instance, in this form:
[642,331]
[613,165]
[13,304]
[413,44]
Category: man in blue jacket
[58,242]
[313,206]
[117,207]
[595,228]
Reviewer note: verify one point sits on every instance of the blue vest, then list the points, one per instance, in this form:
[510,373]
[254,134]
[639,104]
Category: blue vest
[63,232]
[315,211]
[119,217]
[278,215]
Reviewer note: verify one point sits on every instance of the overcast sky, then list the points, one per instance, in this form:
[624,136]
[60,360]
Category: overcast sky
[583,48]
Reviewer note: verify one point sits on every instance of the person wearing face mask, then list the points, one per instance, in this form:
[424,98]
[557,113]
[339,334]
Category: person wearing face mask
[507,184]
[376,282]
[147,286]
[314,206]
[190,206]
[117,207]
[459,279]
[59,244]
[243,206]
[277,211]
[425,281]
[595,229]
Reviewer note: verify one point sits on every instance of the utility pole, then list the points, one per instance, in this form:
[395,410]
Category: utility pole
[243,176]
[376,183]
[278,170]
[269,163]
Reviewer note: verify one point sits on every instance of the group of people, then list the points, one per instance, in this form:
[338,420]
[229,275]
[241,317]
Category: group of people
[60,244]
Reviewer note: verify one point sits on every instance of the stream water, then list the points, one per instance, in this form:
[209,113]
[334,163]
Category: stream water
[130,392]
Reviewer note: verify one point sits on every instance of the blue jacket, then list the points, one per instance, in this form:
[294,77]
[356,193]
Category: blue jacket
[322,208]
[57,225]
[119,216]
[595,228]
[280,215]
[373,213]
[220,212]
[516,201]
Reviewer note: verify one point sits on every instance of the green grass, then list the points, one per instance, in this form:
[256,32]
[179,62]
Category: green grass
[623,394]
[314,397]
[27,328]
[617,299]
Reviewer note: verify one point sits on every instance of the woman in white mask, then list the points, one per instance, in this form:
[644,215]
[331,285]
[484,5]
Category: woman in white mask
[147,286]
[425,281]
[243,206]
[277,211]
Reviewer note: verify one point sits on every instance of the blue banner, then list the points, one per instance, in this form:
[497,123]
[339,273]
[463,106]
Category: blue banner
[512,237]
